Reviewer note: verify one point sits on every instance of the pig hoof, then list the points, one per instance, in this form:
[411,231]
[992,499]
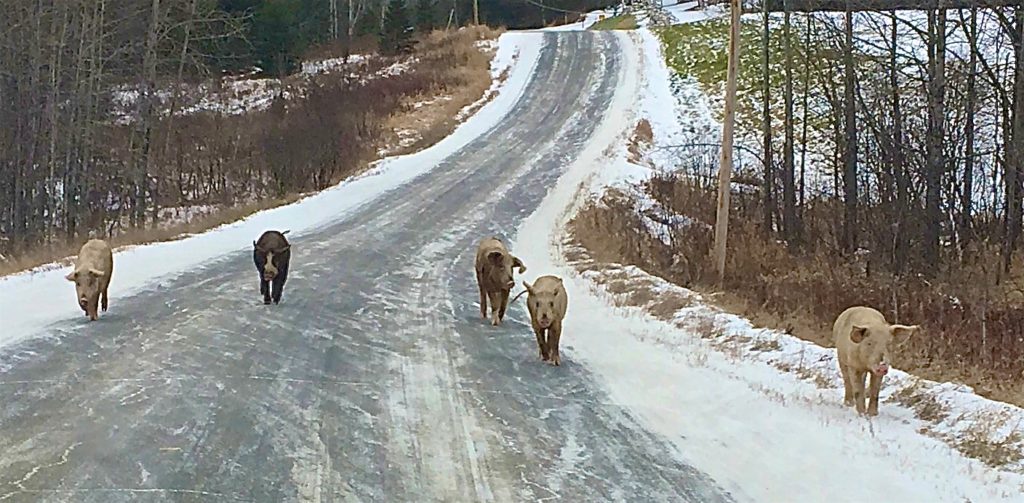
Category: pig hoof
[266,302]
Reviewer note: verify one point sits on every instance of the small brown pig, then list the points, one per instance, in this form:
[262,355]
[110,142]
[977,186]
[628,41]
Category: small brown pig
[271,254]
[494,269]
[863,339]
[547,302]
[91,276]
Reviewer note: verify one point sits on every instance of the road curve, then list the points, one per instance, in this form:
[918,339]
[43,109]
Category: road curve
[374,380]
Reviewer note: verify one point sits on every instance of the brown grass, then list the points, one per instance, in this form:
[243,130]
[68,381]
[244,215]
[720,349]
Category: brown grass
[641,140]
[433,118]
[462,85]
[63,254]
[924,405]
[802,293]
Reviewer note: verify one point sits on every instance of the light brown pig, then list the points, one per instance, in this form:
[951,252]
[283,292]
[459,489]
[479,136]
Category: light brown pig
[93,268]
[547,302]
[863,339]
[494,266]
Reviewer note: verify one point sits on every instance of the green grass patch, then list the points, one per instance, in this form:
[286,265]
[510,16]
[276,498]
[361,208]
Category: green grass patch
[626,22]
[698,51]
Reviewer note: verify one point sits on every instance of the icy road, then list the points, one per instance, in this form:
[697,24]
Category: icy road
[374,380]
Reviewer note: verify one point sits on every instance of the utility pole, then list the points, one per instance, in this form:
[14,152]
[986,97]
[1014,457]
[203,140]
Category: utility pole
[725,166]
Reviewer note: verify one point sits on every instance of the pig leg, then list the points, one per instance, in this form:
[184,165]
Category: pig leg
[265,290]
[278,283]
[104,300]
[540,343]
[504,304]
[874,388]
[554,334]
[495,298]
[847,385]
[92,307]
[276,290]
[483,296]
[858,389]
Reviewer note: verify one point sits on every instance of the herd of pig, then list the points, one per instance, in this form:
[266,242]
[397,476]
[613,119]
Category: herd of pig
[861,334]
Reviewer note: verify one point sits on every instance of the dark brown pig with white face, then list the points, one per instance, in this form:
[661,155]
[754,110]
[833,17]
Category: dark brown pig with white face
[272,254]
[494,269]
[91,276]
[547,303]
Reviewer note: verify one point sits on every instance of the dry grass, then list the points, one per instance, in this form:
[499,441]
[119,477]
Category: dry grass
[64,254]
[925,406]
[458,88]
[432,118]
[801,294]
[640,141]
[984,440]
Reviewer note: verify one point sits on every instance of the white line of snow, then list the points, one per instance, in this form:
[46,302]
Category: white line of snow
[32,300]
[762,434]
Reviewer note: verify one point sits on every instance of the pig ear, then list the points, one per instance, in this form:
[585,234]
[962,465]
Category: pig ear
[858,334]
[518,263]
[903,331]
[72,276]
[528,287]
[494,257]
[97,274]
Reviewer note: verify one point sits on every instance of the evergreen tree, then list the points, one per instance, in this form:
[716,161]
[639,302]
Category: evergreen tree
[426,15]
[395,37]
[275,36]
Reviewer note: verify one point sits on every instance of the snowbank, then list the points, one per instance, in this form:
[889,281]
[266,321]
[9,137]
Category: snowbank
[588,20]
[241,95]
[32,300]
[756,410]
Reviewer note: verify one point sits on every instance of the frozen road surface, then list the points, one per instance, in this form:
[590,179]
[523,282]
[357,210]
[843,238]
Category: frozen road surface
[374,380]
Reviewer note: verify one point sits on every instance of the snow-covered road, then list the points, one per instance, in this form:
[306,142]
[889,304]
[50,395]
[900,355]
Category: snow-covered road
[375,379]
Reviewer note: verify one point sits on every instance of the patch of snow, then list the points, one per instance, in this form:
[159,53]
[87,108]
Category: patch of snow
[687,12]
[589,19]
[315,67]
[141,267]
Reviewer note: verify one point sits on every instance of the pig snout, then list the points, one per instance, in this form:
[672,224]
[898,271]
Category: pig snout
[510,284]
[881,369]
[544,322]
[83,303]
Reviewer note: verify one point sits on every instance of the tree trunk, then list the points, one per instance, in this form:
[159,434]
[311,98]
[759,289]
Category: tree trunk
[790,226]
[902,241]
[728,123]
[769,171]
[1015,145]
[803,135]
[146,117]
[936,129]
[850,171]
[968,185]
